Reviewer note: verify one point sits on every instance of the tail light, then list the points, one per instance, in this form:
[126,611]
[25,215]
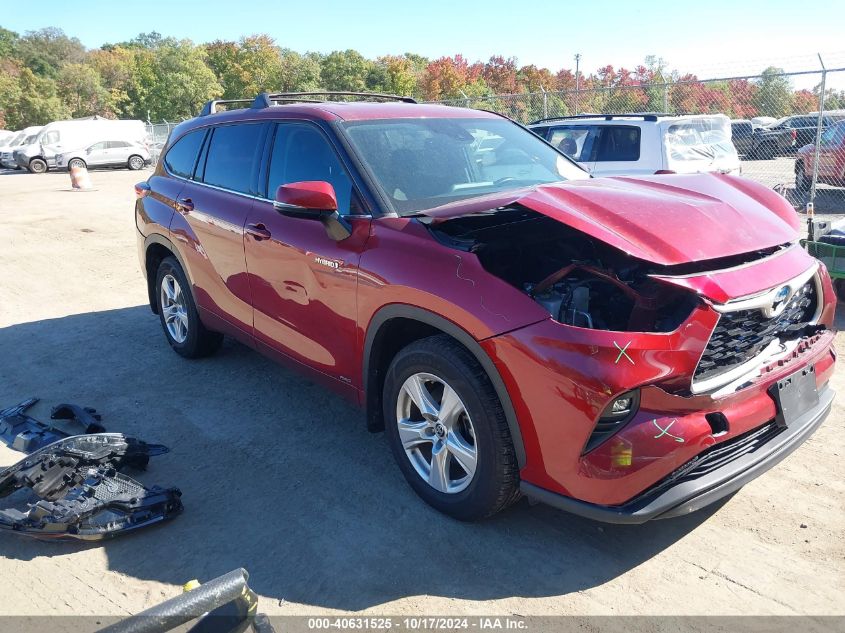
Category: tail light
[664,171]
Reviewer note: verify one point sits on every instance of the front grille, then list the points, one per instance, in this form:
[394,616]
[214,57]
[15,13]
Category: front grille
[715,457]
[740,336]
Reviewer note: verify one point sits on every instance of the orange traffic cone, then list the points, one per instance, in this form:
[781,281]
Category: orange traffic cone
[79,179]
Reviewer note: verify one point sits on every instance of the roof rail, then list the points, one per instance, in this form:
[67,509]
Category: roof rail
[266,99]
[647,116]
[210,107]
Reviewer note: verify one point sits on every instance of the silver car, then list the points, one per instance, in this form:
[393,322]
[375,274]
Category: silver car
[106,154]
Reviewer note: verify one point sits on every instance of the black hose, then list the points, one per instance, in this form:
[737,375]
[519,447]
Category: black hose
[186,607]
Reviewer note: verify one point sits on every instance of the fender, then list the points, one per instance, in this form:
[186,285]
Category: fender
[157,238]
[392,311]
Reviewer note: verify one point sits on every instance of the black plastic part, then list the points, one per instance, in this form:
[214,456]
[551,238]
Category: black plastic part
[210,107]
[645,116]
[80,493]
[86,416]
[688,493]
[266,99]
[794,394]
[718,422]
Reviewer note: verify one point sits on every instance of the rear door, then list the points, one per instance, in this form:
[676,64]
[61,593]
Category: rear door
[832,153]
[118,152]
[209,222]
[618,151]
[304,282]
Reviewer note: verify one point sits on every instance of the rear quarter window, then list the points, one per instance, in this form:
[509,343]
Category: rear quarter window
[182,156]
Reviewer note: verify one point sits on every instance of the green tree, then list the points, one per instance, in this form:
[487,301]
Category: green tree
[299,73]
[345,71]
[175,81]
[80,88]
[8,43]
[47,50]
[39,102]
[774,94]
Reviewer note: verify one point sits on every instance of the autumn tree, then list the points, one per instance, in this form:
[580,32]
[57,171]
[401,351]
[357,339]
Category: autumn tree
[344,71]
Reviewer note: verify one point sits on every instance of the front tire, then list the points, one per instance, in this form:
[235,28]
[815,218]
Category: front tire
[178,313]
[448,431]
[37,166]
[76,163]
[135,162]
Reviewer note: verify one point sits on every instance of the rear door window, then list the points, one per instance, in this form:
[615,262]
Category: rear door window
[618,143]
[181,158]
[232,156]
[576,141]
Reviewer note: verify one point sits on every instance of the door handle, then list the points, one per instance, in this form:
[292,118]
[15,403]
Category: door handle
[184,205]
[258,231]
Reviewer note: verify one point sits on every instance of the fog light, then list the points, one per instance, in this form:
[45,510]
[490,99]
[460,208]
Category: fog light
[621,407]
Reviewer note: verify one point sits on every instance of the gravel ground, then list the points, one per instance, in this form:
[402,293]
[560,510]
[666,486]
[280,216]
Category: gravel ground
[282,478]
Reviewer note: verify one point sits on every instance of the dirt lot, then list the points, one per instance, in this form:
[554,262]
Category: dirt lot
[282,478]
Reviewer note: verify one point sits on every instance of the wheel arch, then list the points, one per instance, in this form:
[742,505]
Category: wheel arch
[156,248]
[412,323]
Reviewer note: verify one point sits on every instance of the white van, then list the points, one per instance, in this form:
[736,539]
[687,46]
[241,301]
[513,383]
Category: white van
[55,137]
[26,135]
[629,144]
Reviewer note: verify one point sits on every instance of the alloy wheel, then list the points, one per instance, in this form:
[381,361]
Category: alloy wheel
[174,309]
[436,433]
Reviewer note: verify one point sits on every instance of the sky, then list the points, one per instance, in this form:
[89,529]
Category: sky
[712,39]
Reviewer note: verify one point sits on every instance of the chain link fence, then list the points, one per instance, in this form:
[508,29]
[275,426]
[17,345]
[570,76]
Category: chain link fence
[157,135]
[785,126]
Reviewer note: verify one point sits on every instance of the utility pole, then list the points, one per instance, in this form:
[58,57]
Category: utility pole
[577,79]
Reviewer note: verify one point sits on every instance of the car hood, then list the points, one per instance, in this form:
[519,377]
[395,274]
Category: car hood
[666,219]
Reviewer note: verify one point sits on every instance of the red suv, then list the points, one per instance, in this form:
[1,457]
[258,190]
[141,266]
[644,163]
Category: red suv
[621,348]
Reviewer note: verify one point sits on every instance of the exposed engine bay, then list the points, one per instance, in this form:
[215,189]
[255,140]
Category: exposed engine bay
[578,279]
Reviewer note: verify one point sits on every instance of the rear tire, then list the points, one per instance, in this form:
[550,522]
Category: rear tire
[474,438]
[135,162]
[178,314]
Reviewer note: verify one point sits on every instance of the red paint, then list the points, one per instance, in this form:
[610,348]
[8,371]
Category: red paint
[308,195]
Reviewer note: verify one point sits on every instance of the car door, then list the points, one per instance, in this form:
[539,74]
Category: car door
[304,282]
[97,154]
[832,153]
[211,212]
[118,152]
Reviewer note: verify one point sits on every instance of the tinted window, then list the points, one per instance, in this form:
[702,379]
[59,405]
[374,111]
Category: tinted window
[118,144]
[618,143]
[182,156]
[576,141]
[232,155]
[301,152]
[740,130]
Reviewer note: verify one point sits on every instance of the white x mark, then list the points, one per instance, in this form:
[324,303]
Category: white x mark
[622,352]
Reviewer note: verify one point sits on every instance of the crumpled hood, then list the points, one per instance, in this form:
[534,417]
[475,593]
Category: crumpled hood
[666,219]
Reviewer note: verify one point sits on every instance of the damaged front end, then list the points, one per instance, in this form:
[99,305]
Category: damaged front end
[73,489]
[655,353]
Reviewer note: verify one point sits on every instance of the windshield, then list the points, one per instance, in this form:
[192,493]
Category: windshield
[699,139]
[424,163]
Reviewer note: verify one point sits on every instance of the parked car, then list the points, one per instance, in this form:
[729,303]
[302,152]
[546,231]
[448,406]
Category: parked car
[56,137]
[622,348]
[105,154]
[762,121]
[786,135]
[628,144]
[742,136]
[24,137]
[831,168]
[6,136]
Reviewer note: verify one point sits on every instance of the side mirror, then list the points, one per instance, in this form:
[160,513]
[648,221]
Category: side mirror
[312,200]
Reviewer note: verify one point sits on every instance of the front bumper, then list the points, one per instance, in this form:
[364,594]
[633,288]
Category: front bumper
[681,494]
